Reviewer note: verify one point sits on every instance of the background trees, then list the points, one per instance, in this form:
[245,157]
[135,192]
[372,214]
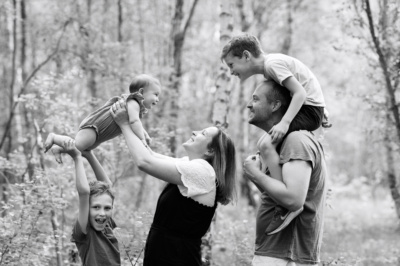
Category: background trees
[62,59]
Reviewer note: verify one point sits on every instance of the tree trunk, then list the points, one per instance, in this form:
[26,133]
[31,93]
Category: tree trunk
[178,34]
[221,105]
[287,43]
[54,225]
[391,172]
[8,134]
[393,106]
[141,36]
[223,86]
[26,130]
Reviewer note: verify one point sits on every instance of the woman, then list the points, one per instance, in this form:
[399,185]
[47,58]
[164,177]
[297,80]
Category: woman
[187,204]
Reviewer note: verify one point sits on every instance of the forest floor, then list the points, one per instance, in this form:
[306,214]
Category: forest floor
[360,230]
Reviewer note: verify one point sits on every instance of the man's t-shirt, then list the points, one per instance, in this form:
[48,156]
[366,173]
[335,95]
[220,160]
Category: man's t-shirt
[301,240]
[97,248]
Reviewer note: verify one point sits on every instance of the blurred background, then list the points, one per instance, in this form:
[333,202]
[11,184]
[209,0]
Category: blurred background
[62,59]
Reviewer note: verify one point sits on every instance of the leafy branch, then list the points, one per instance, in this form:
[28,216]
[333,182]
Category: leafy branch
[28,79]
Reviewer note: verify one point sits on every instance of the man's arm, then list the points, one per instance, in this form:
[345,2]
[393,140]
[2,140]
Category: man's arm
[291,193]
[299,96]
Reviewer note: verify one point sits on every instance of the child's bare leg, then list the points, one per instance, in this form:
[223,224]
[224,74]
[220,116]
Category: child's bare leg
[85,139]
[66,146]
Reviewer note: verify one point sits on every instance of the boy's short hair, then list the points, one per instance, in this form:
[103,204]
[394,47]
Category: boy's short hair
[98,188]
[238,44]
[142,81]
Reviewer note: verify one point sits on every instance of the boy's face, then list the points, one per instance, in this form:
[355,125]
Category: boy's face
[100,211]
[239,66]
[151,94]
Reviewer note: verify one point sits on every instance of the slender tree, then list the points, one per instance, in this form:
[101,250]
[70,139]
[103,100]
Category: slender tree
[389,66]
[178,34]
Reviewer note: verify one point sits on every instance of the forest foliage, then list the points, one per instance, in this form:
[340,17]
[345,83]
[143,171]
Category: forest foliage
[62,59]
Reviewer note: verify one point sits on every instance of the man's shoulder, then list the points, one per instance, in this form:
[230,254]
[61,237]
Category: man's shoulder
[300,137]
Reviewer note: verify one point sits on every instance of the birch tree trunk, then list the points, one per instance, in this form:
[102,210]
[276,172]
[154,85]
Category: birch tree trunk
[220,106]
[383,62]
[389,75]
[222,84]
[391,172]
[178,34]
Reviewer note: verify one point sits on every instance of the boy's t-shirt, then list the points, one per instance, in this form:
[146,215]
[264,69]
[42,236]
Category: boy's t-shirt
[279,67]
[97,248]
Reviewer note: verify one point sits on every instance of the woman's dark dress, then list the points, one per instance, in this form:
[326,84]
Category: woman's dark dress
[178,226]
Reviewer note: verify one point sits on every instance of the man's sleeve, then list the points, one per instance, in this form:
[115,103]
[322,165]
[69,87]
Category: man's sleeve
[297,146]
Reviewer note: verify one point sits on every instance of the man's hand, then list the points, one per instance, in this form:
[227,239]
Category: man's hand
[252,165]
[278,131]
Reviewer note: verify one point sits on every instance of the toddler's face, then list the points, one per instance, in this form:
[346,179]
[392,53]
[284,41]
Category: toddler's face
[100,211]
[150,95]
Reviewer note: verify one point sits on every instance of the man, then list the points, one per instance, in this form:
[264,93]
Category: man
[297,180]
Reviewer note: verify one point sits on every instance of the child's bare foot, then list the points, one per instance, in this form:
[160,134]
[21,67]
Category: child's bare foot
[68,146]
[49,142]
[57,150]
[52,139]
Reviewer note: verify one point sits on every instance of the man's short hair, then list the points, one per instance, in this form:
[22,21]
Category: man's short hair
[238,44]
[277,93]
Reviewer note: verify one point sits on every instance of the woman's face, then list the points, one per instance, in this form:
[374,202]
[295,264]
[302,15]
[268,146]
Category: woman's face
[198,142]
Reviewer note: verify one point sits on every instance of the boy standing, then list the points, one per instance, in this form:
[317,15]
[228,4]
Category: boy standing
[92,232]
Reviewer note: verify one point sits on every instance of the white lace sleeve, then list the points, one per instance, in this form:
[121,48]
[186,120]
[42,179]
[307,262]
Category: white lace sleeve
[198,178]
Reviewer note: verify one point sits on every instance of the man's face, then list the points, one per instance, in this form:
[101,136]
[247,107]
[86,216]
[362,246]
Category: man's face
[260,109]
[239,66]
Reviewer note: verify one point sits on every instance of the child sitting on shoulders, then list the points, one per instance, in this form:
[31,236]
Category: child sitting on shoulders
[244,57]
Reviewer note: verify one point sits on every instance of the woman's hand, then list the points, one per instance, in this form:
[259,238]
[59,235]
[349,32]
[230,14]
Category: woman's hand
[119,113]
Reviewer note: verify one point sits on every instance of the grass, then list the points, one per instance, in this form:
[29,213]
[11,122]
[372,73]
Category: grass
[359,231]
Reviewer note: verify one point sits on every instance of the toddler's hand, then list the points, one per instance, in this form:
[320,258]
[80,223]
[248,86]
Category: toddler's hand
[278,131]
[147,137]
